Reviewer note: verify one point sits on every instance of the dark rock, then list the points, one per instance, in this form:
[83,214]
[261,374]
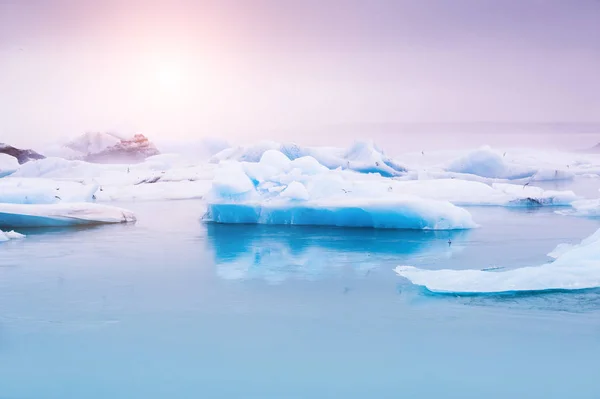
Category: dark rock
[21,155]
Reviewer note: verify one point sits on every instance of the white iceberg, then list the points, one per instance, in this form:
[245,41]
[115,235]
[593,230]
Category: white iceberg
[61,215]
[8,164]
[485,162]
[489,165]
[17,190]
[576,267]
[362,156]
[584,208]
[10,235]
[161,177]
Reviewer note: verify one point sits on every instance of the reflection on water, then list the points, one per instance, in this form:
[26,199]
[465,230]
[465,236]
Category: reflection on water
[276,253]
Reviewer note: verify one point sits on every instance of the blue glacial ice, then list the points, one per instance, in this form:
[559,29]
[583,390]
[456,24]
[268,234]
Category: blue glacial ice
[576,267]
[61,215]
[280,191]
[277,190]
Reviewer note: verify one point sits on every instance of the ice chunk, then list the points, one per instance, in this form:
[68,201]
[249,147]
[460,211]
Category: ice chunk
[536,195]
[487,163]
[10,235]
[56,215]
[308,165]
[167,176]
[44,191]
[362,156]
[575,267]
[275,159]
[400,213]
[231,182]
[584,208]
[295,191]
[8,164]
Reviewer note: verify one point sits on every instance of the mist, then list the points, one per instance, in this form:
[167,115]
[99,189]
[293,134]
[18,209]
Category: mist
[399,72]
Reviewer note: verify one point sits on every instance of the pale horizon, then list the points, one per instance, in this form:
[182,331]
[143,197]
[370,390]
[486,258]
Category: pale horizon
[285,70]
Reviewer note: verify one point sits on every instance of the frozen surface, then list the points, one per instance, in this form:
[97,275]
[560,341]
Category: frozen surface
[56,215]
[576,267]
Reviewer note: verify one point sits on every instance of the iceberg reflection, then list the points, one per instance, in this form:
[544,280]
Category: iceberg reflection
[278,253]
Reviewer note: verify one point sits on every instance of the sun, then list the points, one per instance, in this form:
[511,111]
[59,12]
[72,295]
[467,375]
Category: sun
[169,75]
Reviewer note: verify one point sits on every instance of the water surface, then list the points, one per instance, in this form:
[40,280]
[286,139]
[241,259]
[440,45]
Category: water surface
[171,307]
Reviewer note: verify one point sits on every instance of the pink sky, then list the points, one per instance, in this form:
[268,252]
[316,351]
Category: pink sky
[243,69]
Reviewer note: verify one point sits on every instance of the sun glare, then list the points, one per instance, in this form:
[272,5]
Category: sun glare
[169,75]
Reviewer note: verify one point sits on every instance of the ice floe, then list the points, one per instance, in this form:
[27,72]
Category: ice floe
[362,156]
[10,235]
[576,267]
[59,215]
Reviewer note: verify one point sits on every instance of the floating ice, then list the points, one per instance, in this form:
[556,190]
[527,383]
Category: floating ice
[10,235]
[583,208]
[17,190]
[362,156]
[8,164]
[57,215]
[273,191]
[487,163]
[401,213]
[575,267]
[167,176]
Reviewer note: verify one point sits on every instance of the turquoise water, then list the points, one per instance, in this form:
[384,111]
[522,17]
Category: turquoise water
[173,308]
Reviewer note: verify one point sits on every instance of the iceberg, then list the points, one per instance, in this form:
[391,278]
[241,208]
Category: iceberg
[15,190]
[160,177]
[489,165]
[278,191]
[362,156]
[576,267]
[583,208]
[8,164]
[401,213]
[10,235]
[61,215]
[485,162]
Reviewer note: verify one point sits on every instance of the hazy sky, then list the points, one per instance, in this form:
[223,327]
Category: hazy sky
[251,68]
